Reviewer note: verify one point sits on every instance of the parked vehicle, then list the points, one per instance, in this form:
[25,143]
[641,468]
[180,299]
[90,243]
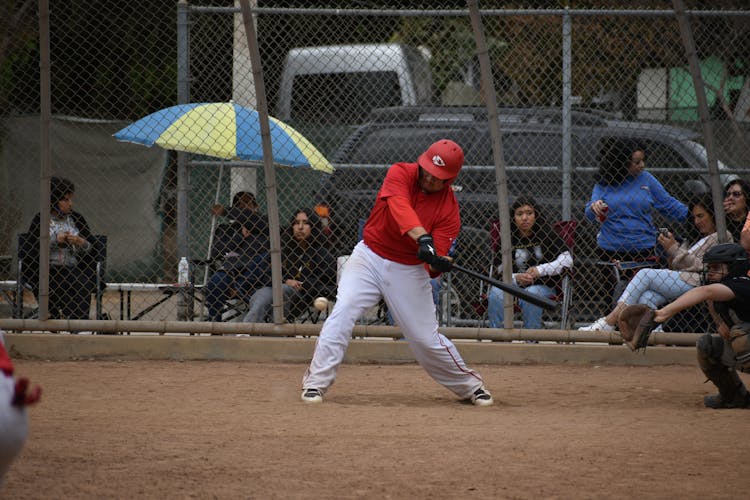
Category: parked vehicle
[324,90]
[343,83]
[532,146]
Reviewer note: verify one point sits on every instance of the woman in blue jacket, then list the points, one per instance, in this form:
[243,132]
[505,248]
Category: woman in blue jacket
[624,199]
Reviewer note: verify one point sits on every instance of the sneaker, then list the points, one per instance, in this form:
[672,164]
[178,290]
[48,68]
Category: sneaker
[600,325]
[482,397]
[714,401]
[312,396]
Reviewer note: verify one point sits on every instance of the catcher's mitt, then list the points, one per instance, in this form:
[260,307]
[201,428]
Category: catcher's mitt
[636,323]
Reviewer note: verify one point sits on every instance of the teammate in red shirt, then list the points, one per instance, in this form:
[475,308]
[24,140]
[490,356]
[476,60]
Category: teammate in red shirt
[14,422]
[411,227]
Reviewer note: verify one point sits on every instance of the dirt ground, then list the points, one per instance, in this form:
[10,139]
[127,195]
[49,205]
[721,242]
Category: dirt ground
[168,429]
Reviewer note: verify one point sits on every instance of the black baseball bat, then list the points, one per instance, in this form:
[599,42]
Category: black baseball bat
[519,292]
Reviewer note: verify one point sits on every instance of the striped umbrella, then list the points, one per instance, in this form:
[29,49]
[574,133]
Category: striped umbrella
[223,130]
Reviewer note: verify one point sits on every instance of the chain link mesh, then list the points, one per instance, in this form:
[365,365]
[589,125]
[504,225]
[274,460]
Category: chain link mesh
[580,93]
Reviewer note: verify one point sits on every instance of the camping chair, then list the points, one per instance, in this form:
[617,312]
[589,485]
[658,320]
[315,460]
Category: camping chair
[566,229]
[98,253]
[235,307]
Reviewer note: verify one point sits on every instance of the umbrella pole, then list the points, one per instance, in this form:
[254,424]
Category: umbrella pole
[213,228]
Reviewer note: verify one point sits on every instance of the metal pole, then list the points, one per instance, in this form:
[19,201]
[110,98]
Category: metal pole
[566,113]
[183,97]
[312,329]
[184,303]
[705,118]
[268,166]
[45,98]
[501,180]
[211,234]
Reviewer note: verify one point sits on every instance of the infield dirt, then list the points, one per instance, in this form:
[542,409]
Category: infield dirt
[169,429]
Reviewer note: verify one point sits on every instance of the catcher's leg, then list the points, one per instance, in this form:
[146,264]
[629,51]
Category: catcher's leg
[732,392]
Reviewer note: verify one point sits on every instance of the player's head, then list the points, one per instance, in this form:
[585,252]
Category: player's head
[724,260]
[442,160]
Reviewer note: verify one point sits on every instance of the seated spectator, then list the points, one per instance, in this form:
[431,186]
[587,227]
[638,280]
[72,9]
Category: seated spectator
[242,249]
[308,268]
[539,255]
[656,287]
[623,200]
[736,203]
[72,277]
[242,200]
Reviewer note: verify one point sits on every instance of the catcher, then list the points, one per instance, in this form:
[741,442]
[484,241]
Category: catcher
[726,287]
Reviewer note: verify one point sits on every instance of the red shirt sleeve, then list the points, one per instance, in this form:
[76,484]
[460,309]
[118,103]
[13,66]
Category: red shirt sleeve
[404,214]
[6,366]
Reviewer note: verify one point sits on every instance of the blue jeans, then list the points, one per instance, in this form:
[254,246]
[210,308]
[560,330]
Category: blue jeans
[531,314]
[262,301]
[654,287]
[220,288]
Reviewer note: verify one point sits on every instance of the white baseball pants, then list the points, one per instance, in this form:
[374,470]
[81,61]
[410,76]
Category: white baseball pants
[14,425]
[365,278]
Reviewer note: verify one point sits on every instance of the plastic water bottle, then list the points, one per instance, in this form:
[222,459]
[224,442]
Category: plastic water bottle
[183,271]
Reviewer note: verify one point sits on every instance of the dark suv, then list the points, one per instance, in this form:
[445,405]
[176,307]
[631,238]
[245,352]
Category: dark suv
[532,140]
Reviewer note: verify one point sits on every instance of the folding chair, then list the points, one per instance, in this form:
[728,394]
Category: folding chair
[233,309]
[566,230]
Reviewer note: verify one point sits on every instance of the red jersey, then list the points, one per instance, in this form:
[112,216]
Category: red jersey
[6,366]
[437,213]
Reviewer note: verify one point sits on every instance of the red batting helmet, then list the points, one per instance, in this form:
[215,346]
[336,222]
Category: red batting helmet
[443,159]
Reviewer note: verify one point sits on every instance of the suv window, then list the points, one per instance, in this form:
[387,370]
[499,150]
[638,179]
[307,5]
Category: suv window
[660,155]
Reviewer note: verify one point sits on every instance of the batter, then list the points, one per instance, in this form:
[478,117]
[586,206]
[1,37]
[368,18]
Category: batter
[410,229]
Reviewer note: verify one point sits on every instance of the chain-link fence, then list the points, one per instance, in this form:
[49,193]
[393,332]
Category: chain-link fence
[583,96]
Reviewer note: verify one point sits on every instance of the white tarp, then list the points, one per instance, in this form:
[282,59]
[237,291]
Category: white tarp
[117,184]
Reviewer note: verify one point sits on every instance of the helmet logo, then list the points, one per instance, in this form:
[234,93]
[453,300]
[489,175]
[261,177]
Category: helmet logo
[438,161]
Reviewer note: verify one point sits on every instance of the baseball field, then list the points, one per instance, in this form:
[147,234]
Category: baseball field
[237,429]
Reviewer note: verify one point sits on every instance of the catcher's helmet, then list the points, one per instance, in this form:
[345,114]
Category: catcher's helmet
[731,254]
[442,159]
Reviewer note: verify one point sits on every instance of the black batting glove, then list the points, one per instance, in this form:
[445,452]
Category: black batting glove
[441,264]
[426,252]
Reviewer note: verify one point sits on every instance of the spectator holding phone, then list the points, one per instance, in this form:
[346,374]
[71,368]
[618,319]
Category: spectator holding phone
[656,287]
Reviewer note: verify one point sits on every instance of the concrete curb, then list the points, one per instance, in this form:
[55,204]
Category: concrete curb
[54,347]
